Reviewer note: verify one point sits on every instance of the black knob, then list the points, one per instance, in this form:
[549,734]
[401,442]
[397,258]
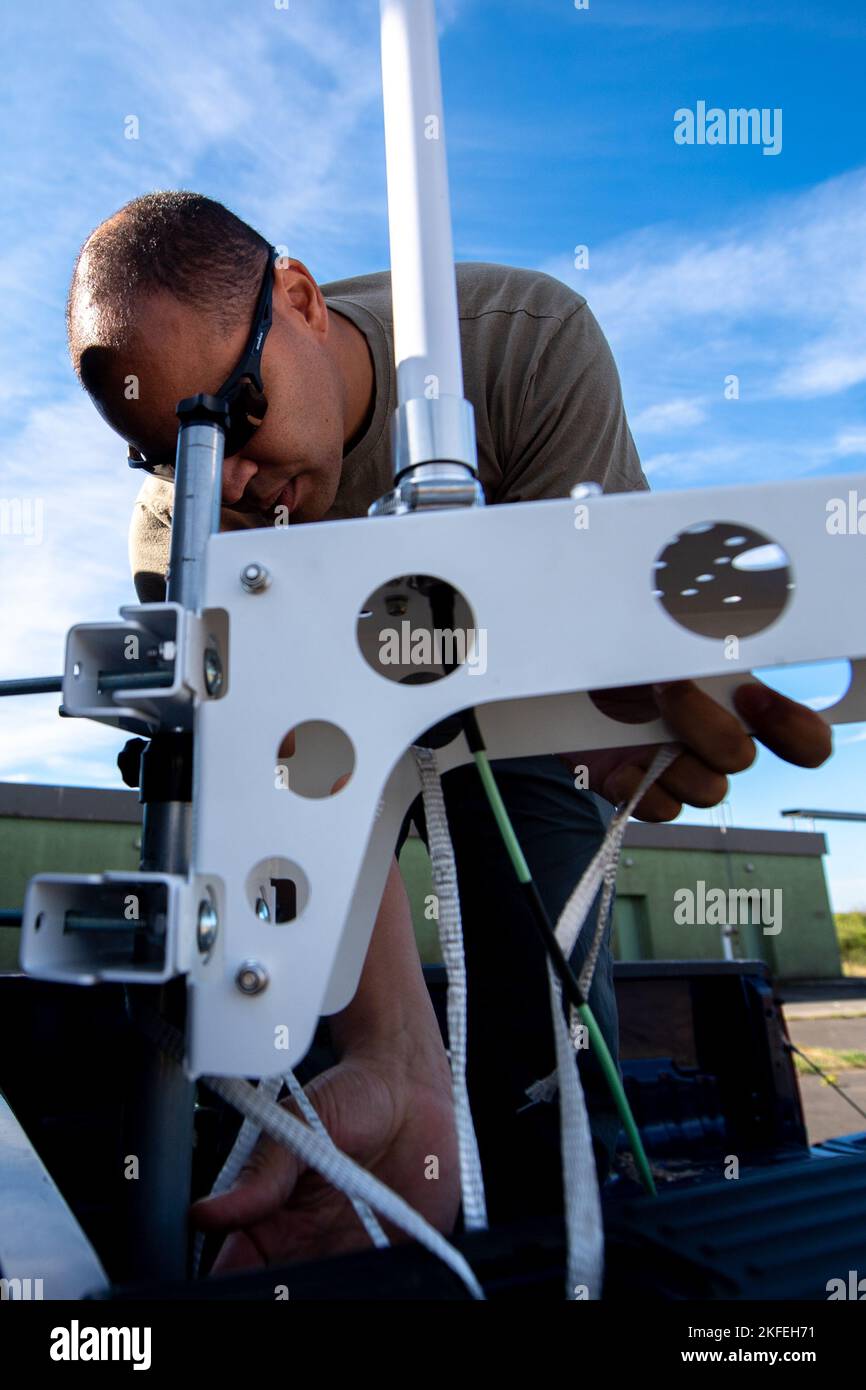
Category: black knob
[129,761]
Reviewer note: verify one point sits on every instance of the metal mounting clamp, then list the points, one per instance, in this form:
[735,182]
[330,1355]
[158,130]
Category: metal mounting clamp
[147,670]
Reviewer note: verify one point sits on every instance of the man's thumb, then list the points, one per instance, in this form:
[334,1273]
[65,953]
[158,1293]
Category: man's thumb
[262,1187]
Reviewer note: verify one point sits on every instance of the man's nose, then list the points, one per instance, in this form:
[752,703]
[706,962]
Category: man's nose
[237,472]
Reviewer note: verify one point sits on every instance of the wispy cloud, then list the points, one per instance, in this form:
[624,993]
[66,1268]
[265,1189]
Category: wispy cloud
[669,415]
[793,269]
[850,442]
[275,112]
[747,336]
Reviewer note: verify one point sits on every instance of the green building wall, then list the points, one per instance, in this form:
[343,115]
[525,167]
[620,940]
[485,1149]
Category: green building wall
[659,860]
[65,830]
[805,947]
[82,830]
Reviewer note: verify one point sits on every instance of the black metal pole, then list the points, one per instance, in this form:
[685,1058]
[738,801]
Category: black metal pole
[31,685]
[159,1124]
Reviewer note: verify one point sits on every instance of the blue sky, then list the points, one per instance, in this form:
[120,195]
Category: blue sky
[704,260]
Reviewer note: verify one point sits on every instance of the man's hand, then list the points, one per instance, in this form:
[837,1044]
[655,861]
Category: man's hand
[715,741]
[387,1104]
[391,1114]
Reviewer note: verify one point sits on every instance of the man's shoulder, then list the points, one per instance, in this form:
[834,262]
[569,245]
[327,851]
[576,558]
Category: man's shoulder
[155,498]
[483,287]
[150,538]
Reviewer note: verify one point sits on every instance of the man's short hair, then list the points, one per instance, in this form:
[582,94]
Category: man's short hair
[179,242]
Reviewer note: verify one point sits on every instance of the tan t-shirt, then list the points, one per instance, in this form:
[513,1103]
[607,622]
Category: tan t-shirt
[537,369]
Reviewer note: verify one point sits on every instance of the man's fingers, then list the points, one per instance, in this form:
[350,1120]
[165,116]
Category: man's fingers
[710,732]
[689,780]
[238,1251]
[792,731]
[655,805]
[263,1186]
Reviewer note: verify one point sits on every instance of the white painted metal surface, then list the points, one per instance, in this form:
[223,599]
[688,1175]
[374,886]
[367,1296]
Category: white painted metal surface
[564,610]
[423,285]
[43,1251]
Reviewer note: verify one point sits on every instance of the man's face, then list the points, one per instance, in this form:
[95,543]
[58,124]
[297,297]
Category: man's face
[178,352]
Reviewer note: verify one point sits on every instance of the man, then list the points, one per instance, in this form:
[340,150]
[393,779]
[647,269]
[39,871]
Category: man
[161,306]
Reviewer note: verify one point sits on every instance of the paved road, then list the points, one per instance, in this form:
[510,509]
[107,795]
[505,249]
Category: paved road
[827,1114]
[829,1015]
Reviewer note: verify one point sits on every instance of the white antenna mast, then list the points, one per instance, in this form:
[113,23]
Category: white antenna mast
[433,431]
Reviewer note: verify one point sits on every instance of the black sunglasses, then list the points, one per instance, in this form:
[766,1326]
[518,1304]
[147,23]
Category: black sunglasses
[243,391]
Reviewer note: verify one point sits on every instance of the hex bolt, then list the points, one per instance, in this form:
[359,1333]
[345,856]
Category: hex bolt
[252,977]
[581,491]
[213,671]
[208,924]
[255,578]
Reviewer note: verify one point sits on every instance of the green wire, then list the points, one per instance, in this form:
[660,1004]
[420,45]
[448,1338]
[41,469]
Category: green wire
[614,1081]
[503,820]
[596,1037]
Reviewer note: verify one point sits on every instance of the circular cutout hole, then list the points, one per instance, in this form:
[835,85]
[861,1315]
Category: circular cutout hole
[418,628]
[820,684]
[760,557]
[630,704]
[720,579]
[277,890]
[313,758]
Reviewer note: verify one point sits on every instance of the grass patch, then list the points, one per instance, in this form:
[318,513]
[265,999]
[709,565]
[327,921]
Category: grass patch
[831,1060]
[851,931]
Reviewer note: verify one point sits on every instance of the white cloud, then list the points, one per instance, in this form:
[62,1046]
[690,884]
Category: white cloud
[692,465]
[278,115]
[37,745]
[777,293]
[67,461]
[669,415]
[822,371]
[739,344]
[850,442]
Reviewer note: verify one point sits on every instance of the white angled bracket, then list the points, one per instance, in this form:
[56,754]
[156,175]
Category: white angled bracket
[562,597]
[559,598]
[563,611]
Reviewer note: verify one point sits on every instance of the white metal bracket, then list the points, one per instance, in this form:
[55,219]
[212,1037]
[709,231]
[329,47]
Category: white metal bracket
[562,610]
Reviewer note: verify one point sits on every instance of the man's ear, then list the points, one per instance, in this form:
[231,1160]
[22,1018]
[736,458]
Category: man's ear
[93,370]
[296,289]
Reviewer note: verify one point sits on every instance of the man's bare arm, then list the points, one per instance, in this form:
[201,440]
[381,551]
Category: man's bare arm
[391,1006]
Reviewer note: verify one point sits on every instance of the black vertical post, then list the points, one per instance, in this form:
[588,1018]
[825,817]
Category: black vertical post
[160,1104]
